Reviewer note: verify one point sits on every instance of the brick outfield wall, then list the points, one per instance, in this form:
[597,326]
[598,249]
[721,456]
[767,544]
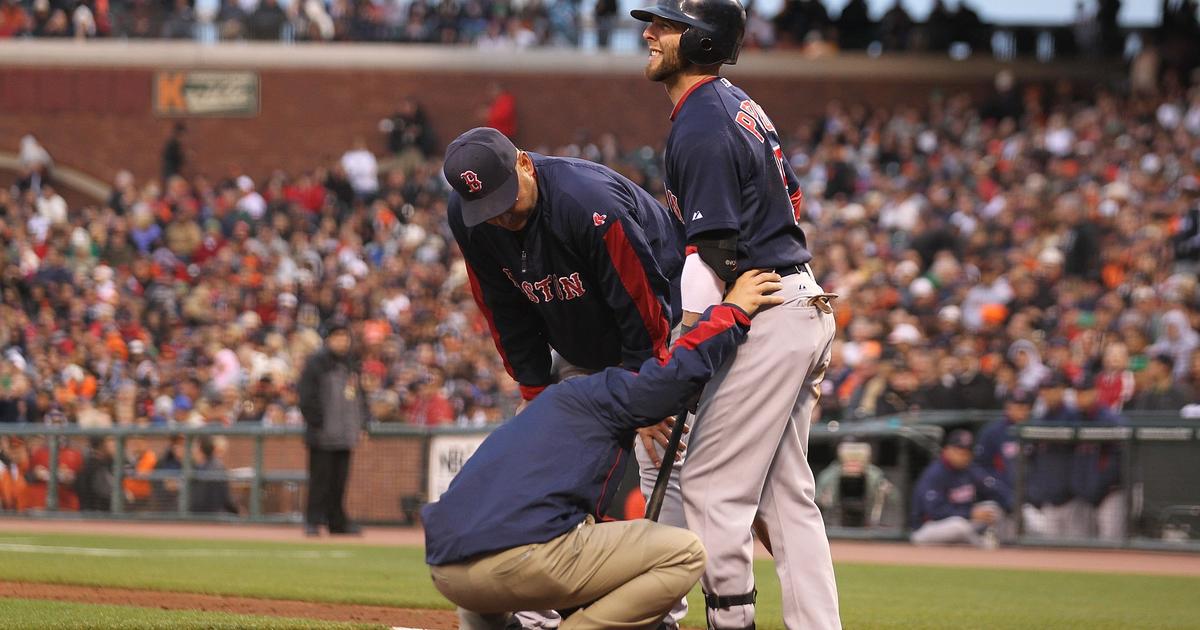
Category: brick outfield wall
[383,471]
[101,120]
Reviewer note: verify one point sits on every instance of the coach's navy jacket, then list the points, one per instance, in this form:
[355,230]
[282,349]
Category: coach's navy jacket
[1049,466]
[942,492]
[1096,466]
[561,459]
[595,273]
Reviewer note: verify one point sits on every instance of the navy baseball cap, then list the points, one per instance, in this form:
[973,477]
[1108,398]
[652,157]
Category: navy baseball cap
[960,438]
[481,166]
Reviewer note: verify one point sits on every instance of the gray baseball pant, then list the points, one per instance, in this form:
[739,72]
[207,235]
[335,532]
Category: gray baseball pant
[748,455]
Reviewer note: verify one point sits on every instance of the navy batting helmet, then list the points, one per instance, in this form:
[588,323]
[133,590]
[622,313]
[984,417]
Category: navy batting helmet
[715,27]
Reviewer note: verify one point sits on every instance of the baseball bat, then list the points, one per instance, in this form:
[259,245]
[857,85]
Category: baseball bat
[654,505]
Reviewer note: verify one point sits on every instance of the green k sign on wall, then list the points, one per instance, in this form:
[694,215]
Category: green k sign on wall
[207,93]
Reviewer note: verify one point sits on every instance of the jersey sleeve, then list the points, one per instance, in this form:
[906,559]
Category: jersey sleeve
[707,178]
[624,266]
[986,448]
[517,328]
[993,488]
[665,387]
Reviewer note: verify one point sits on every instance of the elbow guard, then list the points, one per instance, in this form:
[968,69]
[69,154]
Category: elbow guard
[718,250]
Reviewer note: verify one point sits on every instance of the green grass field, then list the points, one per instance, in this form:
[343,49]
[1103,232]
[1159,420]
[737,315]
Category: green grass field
[872,596]
[36,613]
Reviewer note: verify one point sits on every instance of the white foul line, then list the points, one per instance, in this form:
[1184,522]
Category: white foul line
[107,552]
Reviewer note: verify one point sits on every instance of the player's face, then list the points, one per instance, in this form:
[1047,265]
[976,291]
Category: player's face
[958,458]
[662,37]
[517,217]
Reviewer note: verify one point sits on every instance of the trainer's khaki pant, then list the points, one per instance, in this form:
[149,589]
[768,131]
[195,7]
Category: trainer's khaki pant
[627,574]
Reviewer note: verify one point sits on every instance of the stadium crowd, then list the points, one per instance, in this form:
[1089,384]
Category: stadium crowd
[1039,239]
[807,24]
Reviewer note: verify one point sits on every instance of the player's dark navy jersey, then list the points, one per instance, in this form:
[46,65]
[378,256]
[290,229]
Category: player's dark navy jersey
[726,171]
[943,491]
[559,460]
[594,274]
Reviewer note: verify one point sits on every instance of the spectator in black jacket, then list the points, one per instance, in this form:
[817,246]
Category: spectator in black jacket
[1187,239]
[164,493]
[210,491]
[855,28]
[1162,393]
[977,390]
[173,157]
[335,413]
[1082,246]
[94,485]
[266,23]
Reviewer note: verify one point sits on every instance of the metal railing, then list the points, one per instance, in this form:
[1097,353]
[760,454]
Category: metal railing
[1155,503]
[401,467]
[58,436]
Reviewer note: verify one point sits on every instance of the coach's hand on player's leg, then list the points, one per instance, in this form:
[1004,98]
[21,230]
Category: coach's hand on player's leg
[661,433]
[753,290]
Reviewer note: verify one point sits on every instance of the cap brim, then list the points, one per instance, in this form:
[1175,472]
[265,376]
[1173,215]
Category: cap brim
[476,211]
[649,13]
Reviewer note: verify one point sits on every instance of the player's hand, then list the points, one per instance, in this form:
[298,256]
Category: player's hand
[661,434]
[753,290]
[983,514]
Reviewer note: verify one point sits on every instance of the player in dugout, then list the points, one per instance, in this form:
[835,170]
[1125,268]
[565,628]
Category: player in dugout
[518,532]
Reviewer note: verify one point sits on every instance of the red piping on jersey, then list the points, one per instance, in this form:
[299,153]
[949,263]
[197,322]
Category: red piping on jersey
[633,278]
[704,81]
[690,249]
[604,488]
[722,318]
[529,392]
[477,293]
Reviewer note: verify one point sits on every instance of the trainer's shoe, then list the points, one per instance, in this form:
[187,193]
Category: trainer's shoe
[349,530]
[312,531]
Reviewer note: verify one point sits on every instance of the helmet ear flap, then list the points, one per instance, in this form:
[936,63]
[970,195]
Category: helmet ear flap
[706,44]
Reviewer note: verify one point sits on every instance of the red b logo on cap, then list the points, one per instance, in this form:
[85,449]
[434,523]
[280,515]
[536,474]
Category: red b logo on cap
[472,181]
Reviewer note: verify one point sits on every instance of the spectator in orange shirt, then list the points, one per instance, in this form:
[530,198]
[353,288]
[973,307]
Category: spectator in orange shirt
[137,487]
[13,457]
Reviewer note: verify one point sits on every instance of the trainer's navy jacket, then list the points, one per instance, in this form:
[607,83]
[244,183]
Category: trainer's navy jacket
[942,492]
[561,459]
[725,170]
[594,275]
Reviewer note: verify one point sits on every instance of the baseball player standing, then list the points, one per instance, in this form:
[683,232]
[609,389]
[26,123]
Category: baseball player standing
[747,453]
[568,255]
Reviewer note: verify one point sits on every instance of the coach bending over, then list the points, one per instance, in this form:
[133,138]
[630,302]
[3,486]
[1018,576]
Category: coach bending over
[517,528]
